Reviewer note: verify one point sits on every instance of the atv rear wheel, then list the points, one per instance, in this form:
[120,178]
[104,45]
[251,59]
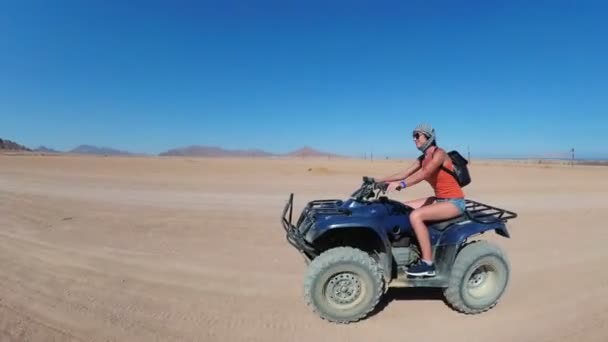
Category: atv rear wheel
[343,285]
[479,278]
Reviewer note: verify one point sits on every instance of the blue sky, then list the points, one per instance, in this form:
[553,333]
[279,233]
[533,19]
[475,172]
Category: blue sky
[507,78]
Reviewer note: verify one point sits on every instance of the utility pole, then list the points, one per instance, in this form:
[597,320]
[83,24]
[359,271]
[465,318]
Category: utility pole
[468,154]
[572,150]
[371,156]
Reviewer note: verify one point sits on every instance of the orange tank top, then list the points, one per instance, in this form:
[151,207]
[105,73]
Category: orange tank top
[443,183]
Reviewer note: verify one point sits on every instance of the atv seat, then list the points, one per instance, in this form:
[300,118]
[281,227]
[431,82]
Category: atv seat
[442,225]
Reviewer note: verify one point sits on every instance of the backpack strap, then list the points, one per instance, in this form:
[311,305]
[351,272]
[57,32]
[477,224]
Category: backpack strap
[452,173]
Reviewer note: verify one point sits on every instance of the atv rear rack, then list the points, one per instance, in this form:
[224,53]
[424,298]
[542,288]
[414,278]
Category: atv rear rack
[483,213]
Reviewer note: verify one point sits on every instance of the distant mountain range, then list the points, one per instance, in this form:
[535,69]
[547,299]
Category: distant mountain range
[95,150]
[214,151]
[8,145]
[189,151]
[43,149]
[310,152]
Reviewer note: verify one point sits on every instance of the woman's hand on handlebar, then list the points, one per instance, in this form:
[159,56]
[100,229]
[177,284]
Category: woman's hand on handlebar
[394,186]
[382,186]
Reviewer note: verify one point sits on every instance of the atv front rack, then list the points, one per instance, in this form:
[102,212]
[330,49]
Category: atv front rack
[326,207]
[296,233]
[294,237]
[483,213]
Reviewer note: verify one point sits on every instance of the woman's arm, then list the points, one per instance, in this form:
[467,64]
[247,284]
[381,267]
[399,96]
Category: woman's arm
[436,162]
[403,174]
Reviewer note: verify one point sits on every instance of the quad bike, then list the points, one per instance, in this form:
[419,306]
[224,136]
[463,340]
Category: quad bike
[359,247]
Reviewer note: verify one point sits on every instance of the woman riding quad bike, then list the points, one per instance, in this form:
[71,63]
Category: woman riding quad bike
[435,167]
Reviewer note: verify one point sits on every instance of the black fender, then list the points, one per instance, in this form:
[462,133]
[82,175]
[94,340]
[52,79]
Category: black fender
[458,233]
[385,256]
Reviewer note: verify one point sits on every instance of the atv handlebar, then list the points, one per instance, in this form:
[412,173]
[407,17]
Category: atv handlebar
[368,188]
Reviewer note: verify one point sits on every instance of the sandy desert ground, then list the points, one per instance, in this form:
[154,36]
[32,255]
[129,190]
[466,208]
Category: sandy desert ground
[186,249]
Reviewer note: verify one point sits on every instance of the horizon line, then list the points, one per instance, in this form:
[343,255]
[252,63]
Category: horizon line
[323,153]
[287,156]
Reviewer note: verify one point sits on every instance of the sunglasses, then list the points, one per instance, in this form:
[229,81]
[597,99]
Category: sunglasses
[416,135]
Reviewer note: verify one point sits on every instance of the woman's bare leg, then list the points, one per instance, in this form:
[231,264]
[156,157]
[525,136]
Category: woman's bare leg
[432,212]
[421,202]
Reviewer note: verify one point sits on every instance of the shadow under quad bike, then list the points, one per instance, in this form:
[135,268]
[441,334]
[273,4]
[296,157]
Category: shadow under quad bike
[357,248]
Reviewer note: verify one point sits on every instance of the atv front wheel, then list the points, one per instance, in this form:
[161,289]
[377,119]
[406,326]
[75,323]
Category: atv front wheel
[479,278]
[343,285]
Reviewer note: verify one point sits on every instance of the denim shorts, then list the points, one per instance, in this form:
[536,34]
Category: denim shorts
[458,202]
